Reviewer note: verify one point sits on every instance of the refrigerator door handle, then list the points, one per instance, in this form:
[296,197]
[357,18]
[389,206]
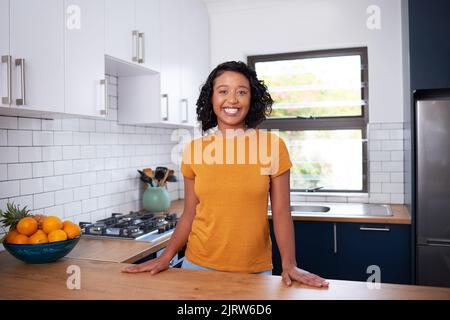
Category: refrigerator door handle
[438,242]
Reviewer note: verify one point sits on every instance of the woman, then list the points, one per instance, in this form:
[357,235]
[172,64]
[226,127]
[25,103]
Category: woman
[224,221]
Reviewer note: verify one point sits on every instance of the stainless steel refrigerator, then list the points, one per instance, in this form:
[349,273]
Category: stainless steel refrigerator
[432,191]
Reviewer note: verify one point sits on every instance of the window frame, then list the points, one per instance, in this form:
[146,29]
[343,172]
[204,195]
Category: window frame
[325,123]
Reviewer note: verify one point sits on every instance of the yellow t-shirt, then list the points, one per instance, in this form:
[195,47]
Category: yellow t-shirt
[230,231]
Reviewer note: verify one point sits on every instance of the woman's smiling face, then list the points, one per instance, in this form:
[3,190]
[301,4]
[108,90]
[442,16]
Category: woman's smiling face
[231,100]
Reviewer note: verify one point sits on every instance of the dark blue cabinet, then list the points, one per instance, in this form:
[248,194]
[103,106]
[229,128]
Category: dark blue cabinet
[429,34]
[385,247]
[344,251]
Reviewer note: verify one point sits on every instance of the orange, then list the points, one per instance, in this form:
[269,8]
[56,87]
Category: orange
[72,230]
[51,223]
[20,239]
[57,235]
[11,235]
[27,226]
[67,223]
[38,237]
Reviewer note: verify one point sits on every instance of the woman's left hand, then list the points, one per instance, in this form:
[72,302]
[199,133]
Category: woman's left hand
[302,276]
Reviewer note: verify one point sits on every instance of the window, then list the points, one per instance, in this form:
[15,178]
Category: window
[321,111]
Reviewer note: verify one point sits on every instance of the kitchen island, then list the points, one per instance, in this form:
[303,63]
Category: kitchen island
[104,280]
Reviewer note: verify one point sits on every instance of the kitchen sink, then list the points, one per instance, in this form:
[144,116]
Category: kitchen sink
[341,209]
[303,208]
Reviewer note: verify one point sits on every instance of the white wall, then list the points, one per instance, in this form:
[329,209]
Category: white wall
[250,27]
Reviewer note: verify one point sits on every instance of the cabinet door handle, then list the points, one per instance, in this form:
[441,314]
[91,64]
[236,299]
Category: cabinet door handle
[374,229]
[141,47]
[7,99]
[184,111]
[165,107]
[104,83]
[135,45]
[438,242]
[22,100]
[335,237]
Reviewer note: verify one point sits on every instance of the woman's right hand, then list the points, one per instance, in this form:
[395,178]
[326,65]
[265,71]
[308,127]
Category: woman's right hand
[153,266]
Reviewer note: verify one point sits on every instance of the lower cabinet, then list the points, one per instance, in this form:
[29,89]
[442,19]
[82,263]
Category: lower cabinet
[351,251]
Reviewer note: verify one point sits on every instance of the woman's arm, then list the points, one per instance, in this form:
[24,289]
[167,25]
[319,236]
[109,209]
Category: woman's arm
[179,236]
[284,234]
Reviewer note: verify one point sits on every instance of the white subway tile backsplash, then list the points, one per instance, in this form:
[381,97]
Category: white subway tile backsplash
[3,137]
[8,122]
[87,125]
[397,177]
[19,171]
[81,165]
[71,152]
[88,178]
[81,193]
[51,125]
[31,186]
[379,198]
[72,181]
[393,166]
[9,154]
[97,190]
[23,201]
[64,196]
[96,138]
[72,209]
[9,189]
[102,126]
[20,138]
[70,124]
[397,198]
[3,172]
[30,154]
[52,153]
[57,211]
[397,155]
[89,205]
[88,152]
[42,138]
[392,126]
[63,167]
[392,188]
[63,138]
[42,169]
[81,138]
[379,156]
[43,200]
[30,123]
[380,177]
[53,183]
[389,145]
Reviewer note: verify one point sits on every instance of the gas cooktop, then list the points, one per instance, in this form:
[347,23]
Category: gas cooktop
[137,225]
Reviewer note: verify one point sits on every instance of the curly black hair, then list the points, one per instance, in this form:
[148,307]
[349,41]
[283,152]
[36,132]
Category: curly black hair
[260,101]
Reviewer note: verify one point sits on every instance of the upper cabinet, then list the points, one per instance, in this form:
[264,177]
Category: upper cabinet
[195,57]
[33,61]
[132,31]
[6,59]
[184,66]
[85,84]
[429,34]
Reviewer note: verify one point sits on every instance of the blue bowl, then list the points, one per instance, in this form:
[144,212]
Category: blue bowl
[41,253]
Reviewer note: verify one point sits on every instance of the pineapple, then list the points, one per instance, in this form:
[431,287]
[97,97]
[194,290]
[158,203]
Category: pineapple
[12,215]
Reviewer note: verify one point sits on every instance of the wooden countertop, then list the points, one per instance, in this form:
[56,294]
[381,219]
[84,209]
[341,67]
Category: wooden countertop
[400,215]
[103,280]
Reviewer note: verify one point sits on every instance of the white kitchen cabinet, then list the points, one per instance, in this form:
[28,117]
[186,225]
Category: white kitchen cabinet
[132,31]
[184,56]
[37,50]
[195,57]
[85,85]
[6,60]
[171,61]
[120,42]
[148,25]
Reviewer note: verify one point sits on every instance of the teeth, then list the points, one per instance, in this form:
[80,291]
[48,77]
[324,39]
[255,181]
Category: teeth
[231,110]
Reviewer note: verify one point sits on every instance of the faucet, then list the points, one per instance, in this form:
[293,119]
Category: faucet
[313,189]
